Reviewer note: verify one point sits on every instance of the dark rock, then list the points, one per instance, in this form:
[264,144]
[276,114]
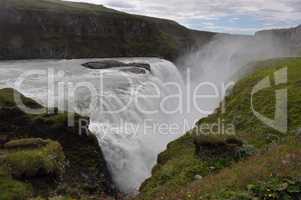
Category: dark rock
[232,141]
[105,64]
[3,140]
[137,68]
[141,65]
[207,145]
[134,70]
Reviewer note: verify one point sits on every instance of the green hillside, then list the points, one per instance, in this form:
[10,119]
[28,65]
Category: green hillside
[56,5]
[257,162]
[63,29]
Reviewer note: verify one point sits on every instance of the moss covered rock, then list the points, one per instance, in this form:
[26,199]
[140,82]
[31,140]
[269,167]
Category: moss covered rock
[24,162]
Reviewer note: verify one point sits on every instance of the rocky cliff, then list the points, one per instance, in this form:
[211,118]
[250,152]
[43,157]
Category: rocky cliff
[288,38]
[57,29]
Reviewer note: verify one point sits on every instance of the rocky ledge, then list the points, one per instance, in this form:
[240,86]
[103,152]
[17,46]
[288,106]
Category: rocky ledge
[41,156]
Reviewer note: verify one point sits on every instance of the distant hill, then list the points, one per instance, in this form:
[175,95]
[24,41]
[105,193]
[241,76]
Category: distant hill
[290,38]
[58,29]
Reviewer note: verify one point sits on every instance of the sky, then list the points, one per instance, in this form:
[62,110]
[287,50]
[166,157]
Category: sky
[230,16]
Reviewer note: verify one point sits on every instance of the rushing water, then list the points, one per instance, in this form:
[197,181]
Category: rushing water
[135,116]
[126,115]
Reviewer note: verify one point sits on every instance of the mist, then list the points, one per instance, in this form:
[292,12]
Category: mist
[131,154]
[225,55]
[206,76]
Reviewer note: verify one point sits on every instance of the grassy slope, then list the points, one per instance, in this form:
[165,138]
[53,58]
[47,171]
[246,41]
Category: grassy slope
[72,7]
[57,5]
[173,177]
[77,8]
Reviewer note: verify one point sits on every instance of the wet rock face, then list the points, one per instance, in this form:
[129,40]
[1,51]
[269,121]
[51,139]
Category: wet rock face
[67,33]
[137,68]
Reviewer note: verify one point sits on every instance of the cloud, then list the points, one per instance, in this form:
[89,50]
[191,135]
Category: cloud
[276,13]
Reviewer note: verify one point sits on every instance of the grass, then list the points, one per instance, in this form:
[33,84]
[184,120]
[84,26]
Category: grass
[46,160]
[58,6]
[173,176]
[238,106]
[7,99]
[12,189]
[28,158]
[272,188]
[280,161]
[55,198]
[179,165]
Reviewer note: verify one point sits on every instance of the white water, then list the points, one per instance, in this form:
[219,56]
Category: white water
[130,139]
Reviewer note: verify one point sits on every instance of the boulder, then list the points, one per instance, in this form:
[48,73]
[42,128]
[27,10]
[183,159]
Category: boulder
[45,157]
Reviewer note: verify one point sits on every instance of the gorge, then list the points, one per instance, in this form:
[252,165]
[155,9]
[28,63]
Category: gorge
[171,77]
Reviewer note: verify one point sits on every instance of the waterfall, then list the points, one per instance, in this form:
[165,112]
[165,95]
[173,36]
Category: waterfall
[129,143]
[126,116]
[132,138]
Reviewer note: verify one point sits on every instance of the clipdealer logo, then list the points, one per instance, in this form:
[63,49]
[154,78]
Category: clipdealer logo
[280,120]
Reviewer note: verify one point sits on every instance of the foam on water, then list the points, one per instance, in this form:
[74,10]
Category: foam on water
[128,138]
